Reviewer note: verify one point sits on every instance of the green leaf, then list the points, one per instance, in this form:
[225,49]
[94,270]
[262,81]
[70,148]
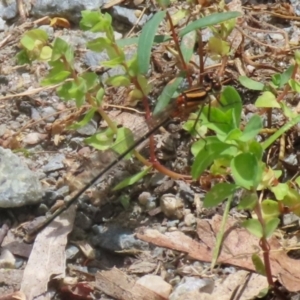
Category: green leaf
[133,68]
[99,44]
[62,48]
[297,57]
[248,201]
[91,80]
[254,227]
[125,201]
[218,193]
[187,45]
[252,128]
[245,170]
[256,149]
[295,85]
[143,82]
[118,80]
[250,83]
[87,117]
[234,134]
[285,76]
[46,53]
[113,62]
[102,140]
[99,96]
[218,47]
[207,155]
[280,190]
[270,209]
[230,99]
[94,21]
[213,19]
[168,92]
[123,141]
[32,38]
[146,41]
[55,77]
[23,58]
[132,179]
[258,264]
[163,3]
[89,19]
[195,128]
[267,99]
[271,226]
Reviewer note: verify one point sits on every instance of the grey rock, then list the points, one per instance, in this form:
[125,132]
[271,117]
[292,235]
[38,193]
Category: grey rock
[48,111]
[55,163]
[48,29]
[93,59]
[71,9]
[189,284]
[147,200]
[19,186]
[185,192]
[2,129]
[19,262]
[127,15]
[42,209]
[8,9]
[4,79]
[35,114]
[71,251]
[113,237]
[50,197]
[63,191]
[296,6]
[2,24]
[89,129]
[83,221]
[76,142]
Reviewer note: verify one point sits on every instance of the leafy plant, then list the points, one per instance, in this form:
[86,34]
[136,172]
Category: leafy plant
[237,156]
[87,89]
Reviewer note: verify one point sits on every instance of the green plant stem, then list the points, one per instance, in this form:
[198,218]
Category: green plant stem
[220,235]
[263,243]
[268,142]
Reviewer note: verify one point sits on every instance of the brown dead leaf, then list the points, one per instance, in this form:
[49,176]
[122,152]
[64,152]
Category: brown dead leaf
[133,121]
[248,285]
[86,249]
[78,291]
[120,286]
[48,255]
[60,22]
[237,248]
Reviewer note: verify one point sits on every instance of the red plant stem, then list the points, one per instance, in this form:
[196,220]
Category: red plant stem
[177,46]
